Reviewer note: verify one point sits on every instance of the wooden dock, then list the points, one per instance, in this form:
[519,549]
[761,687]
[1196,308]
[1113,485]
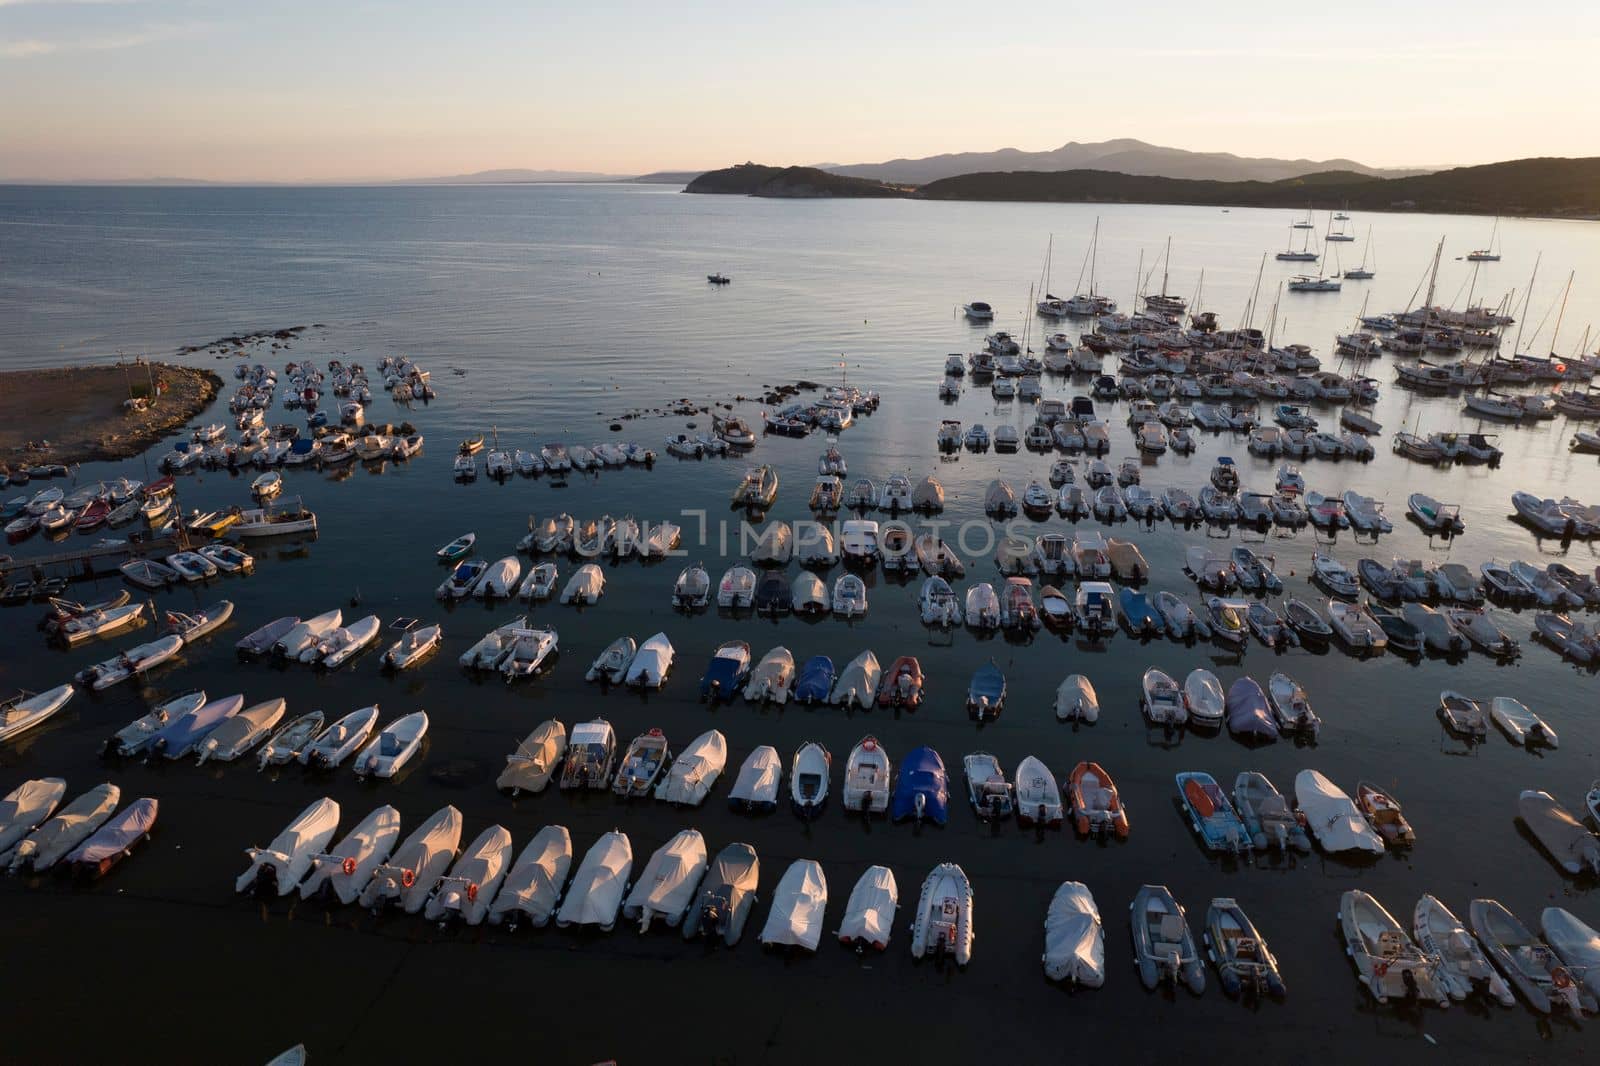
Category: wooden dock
[89,562]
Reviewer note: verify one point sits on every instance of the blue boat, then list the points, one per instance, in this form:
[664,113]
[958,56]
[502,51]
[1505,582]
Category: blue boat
[186,733]
[922,791]
[317,418]
[1141,618]
[1212,816]
[816,680]
[727,672]
[1249,717]
[986,696]
[302,446]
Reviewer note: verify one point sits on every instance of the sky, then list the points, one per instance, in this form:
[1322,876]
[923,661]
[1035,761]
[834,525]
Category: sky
[353,90]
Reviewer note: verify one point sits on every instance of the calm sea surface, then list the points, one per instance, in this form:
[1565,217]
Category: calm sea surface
[565,306]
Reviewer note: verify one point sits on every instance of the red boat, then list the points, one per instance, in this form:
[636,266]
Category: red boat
[93,516]
[902,684]
[160,487]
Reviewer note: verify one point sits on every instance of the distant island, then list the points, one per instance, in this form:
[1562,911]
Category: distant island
[1568,188]
[752,179]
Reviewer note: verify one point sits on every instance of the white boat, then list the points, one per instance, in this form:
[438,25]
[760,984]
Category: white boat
[943,922]
[345,869]
[1162,700]
[341,739]
[241,732]
[737,588]
[290,740]
[467,891]
[304,635]
[867,774]
[1521,726]
[1526,961]
[849,596]
[772,678]
[595,894]
[409,874]
[101,622]
[809,779]
[527,652]
[1386,960]
[1463,968]
[612,664]
[857,685]
[261,641]
[1334,575]
[412,647]
[22,712]
[533,885]
[756,786]
[585,586]
[394,746]
[1332,816]
[1076,700]
[1577,944]
[540,584]
[651,664]
[1038,796]
[278,519]
[1074,939]
[136,660]
[1291,706]
[666,886]
[1203,697]
[26,807]
[283,863]
[938,605]
[1568,841]
[340,645]
[692,774]
[72,824]
[869,912]
[727,895]
[529,768]
[228,558]
[499,580]
[799,903]
[491,649]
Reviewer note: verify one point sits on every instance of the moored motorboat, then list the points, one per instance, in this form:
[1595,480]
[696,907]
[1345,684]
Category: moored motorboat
[281,865]
[1463,968]
[1527,962]
[1387,962]
[1163,947]
[943,922]
[1074,939]
[1565,839]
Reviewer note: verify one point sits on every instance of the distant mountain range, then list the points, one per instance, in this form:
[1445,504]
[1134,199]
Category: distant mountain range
[797,183]
[1124,155]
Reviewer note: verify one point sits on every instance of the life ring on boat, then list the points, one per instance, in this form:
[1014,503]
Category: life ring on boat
[1380,968]
[1562,979]
[408,878]
[349,866]
[472,892]
[870,744]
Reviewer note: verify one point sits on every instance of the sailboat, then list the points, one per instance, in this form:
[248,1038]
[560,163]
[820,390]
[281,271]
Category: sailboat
[1362,272]
[1304,255]
[1337,234]
[1490,254]
[1163,303]
[1305,223]
[1051,306]
[1091,303]
[1321,283]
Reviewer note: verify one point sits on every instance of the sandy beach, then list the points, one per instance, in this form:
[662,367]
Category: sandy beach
[78,414]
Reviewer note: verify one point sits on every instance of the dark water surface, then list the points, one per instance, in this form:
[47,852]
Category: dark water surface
[568,305]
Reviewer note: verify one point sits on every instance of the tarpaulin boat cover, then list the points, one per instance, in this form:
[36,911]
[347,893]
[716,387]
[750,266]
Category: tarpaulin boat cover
[869,914]
[1074,941]
[798,905]
[816,680]
[119,833]
[759,777]
[694,771]
[70,827]
[922,773]
[26,806]
[597,887]
[1332,816]
[1248,714]
[670,878]
[536,878]
[193,727]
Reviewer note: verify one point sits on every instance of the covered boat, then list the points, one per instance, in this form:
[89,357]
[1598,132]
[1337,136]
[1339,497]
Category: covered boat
[667,885]
[942,924]
[115,839]
[1076,700]
[533,884]
[1577,943]
[1074,939]
[1332,816]
[756,787]
[1248,716]
[922,789]
[345,869]
[986,693]
[1163,947]
[528,769]
[595,895]
[242,731]
[26,806]
[815,683]
[188,731]
[1564,838]
[772,678]
[727,895]
[280,865]
[585,586]
[799,904]
[72,824]
[467,890]
[693,773]
[727,671]
[858,682]
[1203,699]
[869,913]
[1520,725]
[410,873]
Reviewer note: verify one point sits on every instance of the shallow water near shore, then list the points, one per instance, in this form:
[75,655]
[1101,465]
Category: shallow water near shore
[569,306]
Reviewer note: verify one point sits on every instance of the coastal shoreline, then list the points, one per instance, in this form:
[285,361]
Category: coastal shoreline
[83,413]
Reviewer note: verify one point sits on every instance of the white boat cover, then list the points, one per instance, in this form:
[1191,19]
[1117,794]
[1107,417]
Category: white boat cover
[597,887]
[536,878]
[1568,840]
[470,887]
[69,828]
[305,633]
[25,807]
[1076,699]
[289,855]
[499,579]
[1332,816]
[869,913]
[759,777]
[348,867]
[798,905]
[773,677]
[585,586]
[809,593]
[668,883]
[528,769]
[238,732]
[652,662]
[1521,724]
[416,866]
[692,774]
[1074,939]
[858,682]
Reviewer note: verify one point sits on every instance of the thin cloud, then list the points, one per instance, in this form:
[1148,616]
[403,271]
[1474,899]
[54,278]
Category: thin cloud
[31,47]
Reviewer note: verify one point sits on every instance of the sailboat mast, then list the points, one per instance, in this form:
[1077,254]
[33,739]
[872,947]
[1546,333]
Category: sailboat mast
[1166,263]
[1527,302]
[1561,313]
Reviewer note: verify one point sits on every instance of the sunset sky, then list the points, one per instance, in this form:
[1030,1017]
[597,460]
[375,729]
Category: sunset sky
[292,90]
